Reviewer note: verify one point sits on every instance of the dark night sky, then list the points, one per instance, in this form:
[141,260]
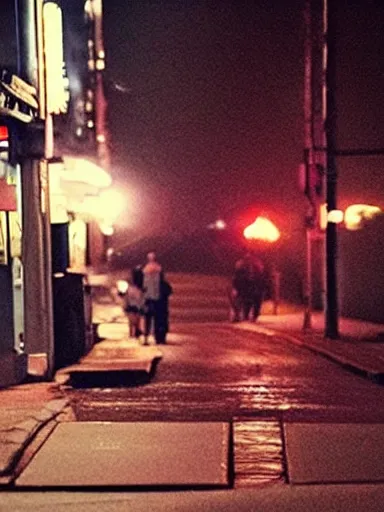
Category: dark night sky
[213,115]
[214,109]
[211,120]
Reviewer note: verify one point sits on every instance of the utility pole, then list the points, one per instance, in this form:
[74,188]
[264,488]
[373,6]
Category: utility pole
[36,238]
[308,155]
[313,158]
[331,312]
[320,154]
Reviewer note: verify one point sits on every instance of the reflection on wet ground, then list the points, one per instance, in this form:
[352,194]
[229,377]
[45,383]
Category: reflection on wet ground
[218,374]
[258,451]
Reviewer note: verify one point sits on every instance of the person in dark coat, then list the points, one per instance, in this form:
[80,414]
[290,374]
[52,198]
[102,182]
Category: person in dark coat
[162,311]
[256,287]
[239,291]
[247,289]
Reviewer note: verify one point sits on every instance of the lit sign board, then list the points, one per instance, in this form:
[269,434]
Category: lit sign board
[56,82]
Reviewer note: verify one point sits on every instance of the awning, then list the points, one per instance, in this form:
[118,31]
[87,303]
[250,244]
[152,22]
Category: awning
[81,170]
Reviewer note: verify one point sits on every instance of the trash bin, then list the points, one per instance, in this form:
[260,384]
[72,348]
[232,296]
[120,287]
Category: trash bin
[60,247]
[68,319]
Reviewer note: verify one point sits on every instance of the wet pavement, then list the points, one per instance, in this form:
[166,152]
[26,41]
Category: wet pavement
[257,376]
[216,372]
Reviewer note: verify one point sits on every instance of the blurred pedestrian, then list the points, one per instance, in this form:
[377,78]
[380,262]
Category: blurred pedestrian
[238,291]
[134,304]
[247,288]
[256,286]
[152,273]
[162,311]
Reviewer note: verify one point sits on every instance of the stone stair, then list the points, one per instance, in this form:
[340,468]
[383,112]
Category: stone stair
[198,298]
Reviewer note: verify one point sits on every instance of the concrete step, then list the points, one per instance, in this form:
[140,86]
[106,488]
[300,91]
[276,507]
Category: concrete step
[199,301]
[113,356]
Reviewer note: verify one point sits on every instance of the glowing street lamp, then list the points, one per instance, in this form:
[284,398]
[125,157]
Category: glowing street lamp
[355,214]
[353,217]
[335,216]
[262,229]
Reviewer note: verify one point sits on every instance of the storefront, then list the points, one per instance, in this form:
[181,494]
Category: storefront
[12,356]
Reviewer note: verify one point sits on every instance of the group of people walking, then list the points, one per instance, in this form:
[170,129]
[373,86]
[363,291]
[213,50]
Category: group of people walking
[146,301]
[147,296]
[247,289]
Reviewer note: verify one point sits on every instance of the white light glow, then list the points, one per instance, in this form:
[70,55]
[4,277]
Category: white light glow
[335,216]
[355,214]
[122,286]
[100,65]
[218,224]
[56,83]
[106,229]
[85,171]
[111,204]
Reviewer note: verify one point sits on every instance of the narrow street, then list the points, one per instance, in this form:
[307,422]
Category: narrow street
[241,392]
[214,372]
[211,370]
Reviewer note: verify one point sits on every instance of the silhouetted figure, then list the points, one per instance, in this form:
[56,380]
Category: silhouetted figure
[134,303]
[256,276]
[238,290]
[151,284]
[247,289]
[162,312]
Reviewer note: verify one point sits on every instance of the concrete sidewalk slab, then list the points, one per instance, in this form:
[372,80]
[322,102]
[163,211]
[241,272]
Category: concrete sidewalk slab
[273,498]
[334,453]
[16,435]
[132,454]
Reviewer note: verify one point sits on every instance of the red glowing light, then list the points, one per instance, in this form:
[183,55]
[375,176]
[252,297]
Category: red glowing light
[3,133]
[262,229]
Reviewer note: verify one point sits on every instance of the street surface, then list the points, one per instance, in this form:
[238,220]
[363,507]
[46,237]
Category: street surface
[214,372]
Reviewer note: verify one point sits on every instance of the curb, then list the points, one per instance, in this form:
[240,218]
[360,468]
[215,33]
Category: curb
[135,361]
[16,438]
[347,363]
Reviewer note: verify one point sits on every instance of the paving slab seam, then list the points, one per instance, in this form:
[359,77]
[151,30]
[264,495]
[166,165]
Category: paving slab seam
[375,376]
[18,437]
